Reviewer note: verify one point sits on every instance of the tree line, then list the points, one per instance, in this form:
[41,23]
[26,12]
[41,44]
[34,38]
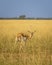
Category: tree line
[24,17]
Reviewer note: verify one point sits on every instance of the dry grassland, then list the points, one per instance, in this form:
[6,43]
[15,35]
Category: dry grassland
[37,51]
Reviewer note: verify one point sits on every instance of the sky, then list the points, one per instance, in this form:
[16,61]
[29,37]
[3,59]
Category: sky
[30,8]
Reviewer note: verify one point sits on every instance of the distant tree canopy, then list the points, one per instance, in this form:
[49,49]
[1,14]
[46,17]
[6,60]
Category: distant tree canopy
[25,17]
[22,17]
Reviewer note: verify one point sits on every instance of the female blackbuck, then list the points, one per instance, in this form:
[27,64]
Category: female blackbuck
[24,37]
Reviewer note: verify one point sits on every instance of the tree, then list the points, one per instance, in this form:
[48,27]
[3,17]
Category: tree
[22,17]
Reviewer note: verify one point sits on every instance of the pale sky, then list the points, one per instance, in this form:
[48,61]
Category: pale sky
[30,8]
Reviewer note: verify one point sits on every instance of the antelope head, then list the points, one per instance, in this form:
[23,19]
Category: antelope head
[31,34]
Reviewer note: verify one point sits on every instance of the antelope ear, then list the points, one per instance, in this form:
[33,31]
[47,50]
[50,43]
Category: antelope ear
[34,30]
[28,31]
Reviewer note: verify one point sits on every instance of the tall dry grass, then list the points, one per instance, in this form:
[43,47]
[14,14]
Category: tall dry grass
[37,51]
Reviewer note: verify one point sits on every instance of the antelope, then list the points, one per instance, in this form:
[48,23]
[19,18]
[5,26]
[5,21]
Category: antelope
[24,37]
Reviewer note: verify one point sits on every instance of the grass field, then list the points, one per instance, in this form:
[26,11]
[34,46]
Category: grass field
[37,51]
